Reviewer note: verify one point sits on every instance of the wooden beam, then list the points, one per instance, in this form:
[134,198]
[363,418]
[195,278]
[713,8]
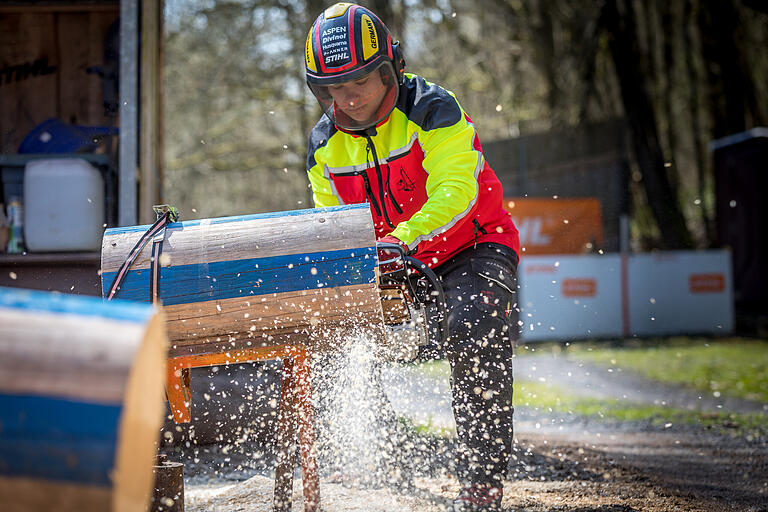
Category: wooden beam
[150,147]
[129,113]
[257,280]
[58,7]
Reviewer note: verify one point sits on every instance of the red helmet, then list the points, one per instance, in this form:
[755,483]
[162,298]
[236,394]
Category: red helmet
[348,44]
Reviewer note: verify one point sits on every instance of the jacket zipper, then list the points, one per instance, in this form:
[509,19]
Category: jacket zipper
[391,194]
[382,196]
[369,193]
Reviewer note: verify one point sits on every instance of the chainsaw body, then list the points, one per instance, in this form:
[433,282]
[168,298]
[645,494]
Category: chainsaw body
[413,304]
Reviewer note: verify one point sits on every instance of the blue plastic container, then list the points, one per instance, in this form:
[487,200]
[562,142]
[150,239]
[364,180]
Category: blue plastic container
[56,136]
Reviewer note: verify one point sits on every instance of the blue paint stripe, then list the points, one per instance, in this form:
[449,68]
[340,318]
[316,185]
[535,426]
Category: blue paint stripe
[238,218]
[185,284]
[82,462]
[35,300]
[57,439]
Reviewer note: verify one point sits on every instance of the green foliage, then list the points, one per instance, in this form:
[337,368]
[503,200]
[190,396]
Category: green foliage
[438,368]
[236,109]
[428,429]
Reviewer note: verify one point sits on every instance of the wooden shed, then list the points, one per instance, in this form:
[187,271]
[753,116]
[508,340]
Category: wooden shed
[84,74]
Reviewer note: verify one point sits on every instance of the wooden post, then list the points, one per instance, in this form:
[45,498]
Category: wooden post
[178,393]
[150,118]
[81,390]
[306,431]
[285,440]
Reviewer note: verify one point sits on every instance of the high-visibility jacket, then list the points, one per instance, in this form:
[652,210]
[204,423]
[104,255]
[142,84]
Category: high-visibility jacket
[423,172]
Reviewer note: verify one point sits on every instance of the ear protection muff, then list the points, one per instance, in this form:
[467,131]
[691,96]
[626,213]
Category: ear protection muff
[399,61]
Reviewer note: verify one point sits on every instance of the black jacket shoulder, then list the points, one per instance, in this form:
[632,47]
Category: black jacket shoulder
[318,137]
[428,105]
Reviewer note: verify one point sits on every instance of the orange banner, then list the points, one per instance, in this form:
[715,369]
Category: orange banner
[557,226]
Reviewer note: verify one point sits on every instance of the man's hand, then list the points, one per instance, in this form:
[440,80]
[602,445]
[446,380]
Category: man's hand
[390,258]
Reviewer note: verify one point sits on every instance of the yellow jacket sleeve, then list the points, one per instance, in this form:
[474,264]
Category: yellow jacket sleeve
[322,193]
[453,165]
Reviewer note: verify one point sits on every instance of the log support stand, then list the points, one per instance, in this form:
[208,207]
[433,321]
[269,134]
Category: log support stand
[295,419]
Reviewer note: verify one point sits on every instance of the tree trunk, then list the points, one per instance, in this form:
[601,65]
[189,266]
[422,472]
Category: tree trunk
[542,29]
[668,31]
[392,13]
[730,90]
[308,104]
[621,24]
[689,22]
[588,65]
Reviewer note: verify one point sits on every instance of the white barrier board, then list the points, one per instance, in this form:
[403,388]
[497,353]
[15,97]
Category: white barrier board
[570,296]
[680,292]
[592,296]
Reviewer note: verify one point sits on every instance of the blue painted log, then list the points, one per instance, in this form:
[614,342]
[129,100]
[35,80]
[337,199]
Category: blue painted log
[81,401]
[256,280]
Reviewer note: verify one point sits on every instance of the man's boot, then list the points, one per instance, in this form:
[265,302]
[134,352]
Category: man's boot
[478,498]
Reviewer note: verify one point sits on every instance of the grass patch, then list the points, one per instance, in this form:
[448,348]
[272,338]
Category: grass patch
[542,396]
[436,368]
[427,429]
[714,365]
[733,367]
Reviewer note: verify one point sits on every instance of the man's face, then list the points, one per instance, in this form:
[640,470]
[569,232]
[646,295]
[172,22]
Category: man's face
[360,99]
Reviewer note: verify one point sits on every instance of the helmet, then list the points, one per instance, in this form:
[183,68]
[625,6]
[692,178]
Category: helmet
[352,66]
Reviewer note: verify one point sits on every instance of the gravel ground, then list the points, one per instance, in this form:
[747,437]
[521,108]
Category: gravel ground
[561,463]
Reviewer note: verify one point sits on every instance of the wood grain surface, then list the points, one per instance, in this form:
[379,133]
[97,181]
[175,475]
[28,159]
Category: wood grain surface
[256,280]
[81,401]
[246,237]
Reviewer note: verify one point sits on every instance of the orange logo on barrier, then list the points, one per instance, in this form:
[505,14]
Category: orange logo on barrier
[540,269]
[583,287]
[706,283]
[557,226]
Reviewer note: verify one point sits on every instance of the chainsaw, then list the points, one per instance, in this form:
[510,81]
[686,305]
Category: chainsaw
[413,303]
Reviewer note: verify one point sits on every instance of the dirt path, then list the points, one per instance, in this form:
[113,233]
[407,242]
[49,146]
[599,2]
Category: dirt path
[607,472]
[659,471]
[573,465]
[427,400]
[585,379]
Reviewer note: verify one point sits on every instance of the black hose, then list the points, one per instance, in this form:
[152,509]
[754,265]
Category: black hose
[434,281]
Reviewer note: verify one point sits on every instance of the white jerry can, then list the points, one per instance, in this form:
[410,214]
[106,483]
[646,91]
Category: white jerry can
[63,205]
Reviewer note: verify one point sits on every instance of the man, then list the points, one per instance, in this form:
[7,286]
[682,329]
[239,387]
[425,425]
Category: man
[405,146]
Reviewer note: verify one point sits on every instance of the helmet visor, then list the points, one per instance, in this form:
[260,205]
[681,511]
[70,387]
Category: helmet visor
[360,103]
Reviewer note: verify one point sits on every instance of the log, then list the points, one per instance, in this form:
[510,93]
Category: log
[256,280]
[81,401]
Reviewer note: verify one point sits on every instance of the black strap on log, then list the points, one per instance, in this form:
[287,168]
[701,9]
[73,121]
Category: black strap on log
[165,215]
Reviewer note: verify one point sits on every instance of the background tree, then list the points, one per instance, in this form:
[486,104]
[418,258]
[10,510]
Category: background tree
[681,73]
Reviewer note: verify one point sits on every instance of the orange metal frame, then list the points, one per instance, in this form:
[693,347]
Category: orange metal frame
[296,412]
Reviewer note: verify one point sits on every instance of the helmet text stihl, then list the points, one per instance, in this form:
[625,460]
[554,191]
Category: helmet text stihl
[352,66]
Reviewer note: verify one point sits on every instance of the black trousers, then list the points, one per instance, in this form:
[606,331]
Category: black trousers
[480,292]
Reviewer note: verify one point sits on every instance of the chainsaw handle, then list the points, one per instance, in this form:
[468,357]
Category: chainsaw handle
[395,269]
[391,247]
[402,276]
